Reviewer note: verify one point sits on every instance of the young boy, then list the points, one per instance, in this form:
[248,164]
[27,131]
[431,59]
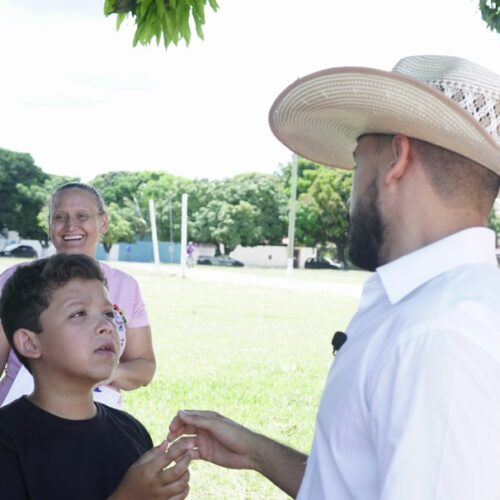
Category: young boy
[57,443]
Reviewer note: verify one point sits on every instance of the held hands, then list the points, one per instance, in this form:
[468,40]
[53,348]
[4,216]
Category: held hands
[148,477]
[216,439]
[223,442]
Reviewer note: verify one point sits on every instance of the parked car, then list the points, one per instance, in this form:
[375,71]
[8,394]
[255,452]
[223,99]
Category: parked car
[219,260]
[322,263]
[16,250]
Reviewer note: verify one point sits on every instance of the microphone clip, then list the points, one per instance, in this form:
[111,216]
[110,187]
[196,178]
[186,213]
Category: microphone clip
[338,341]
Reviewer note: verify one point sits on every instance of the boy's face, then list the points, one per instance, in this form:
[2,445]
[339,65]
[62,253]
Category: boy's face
[79,340]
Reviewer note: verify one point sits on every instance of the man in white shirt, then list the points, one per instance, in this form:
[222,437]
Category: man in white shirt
[411,407]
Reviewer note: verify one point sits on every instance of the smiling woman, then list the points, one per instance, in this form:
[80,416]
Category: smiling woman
[77,219]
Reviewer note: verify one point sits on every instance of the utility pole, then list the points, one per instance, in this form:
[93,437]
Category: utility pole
[152,215]
[184,233]
[291,218]
[171,224]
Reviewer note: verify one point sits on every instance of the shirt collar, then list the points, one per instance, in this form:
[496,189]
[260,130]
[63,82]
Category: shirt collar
[401,276]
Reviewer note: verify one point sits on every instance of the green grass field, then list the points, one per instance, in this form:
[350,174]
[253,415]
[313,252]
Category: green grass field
[257,354]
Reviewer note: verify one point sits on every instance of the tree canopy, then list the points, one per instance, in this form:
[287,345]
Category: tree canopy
[322,206]
[490,12]
[21,193]
[494,221]
[120,229]
[171,20]
[248,209]
[167,20]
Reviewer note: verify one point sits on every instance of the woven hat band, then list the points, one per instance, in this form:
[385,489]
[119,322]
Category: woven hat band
[484,107]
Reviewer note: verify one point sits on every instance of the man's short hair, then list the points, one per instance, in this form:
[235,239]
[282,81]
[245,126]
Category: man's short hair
[456,179]
[28,292]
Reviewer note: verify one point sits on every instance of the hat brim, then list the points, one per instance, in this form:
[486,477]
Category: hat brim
[321,116]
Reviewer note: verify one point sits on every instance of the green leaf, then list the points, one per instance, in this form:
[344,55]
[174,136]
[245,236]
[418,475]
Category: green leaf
[109,6]
[172,28]
[184,26]
[157,30]
[490,12]
[200,9]
[119,20]
[160,7]
[179,10]
[137,36]
[166,38]
[141,8]
[199,27]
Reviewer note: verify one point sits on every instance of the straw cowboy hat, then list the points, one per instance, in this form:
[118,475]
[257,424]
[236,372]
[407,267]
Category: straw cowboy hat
[447,101]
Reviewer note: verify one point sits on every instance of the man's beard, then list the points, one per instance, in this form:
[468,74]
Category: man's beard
[366,231]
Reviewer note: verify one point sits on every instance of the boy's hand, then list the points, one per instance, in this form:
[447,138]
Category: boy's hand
[148,478]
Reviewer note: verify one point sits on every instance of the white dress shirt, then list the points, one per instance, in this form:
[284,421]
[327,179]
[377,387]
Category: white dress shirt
[411,407]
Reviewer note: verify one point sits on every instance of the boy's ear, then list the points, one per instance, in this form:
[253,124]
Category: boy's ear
[26,343]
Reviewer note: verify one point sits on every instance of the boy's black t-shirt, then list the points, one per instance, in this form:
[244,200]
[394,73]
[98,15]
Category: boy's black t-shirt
[45,457]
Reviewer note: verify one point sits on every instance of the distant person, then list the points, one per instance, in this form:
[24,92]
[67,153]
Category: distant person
[412,403]
[57,443]
[190,254]
[77,219]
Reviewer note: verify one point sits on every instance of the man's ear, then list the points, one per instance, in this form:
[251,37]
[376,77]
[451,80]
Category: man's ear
[400,150]
[27,343]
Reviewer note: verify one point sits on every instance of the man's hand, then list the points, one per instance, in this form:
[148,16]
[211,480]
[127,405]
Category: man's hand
[148,478]
[223,442]
[217,439]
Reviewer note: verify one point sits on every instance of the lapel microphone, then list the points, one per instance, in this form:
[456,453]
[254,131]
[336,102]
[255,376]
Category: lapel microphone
[338,341]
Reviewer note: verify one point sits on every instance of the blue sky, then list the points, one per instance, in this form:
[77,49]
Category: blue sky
[82,101]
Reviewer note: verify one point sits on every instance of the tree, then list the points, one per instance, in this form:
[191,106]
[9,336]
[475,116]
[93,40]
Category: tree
[267,195]
[116,186]
[227,225]
[248,210]
[330,192]
[167,19]
[20,192]
[167,192]
[119,230]
[321,210]
[494,222]
[131,191]
[307,171]
[132,213]
[307,219]
[170,19]
[490,12]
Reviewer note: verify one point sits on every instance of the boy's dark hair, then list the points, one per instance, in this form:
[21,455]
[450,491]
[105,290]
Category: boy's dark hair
[28,292]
